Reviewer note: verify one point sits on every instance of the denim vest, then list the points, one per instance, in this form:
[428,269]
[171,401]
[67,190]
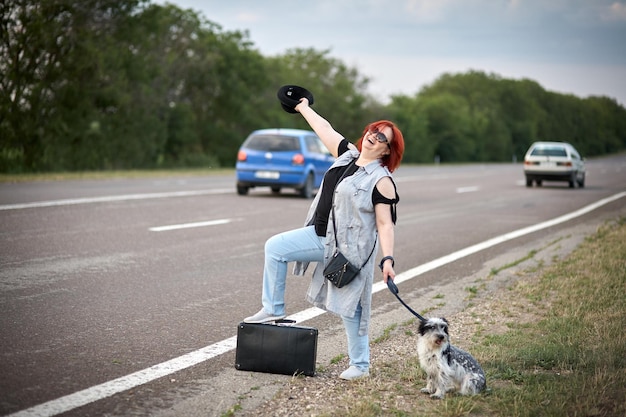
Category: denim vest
[357,237]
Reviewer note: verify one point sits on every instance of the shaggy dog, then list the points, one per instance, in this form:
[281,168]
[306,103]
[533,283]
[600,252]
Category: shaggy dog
[447,367]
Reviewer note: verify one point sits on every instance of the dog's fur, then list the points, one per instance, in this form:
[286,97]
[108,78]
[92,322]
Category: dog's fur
[447,367]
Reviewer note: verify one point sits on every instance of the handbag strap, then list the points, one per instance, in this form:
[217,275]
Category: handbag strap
[332,206]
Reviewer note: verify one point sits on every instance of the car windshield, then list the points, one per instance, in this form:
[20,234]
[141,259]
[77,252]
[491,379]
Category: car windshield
[549,151]
[273,143]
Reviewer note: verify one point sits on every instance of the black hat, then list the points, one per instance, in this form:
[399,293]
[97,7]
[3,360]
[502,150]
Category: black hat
[290,95]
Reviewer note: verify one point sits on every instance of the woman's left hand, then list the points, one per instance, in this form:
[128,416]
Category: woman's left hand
[388,272]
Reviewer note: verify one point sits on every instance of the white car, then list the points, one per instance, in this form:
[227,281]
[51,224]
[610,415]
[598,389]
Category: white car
[554,161]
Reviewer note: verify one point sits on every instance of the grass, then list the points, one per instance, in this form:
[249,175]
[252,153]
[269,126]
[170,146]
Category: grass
[386,334]
[573,361]
[559,348]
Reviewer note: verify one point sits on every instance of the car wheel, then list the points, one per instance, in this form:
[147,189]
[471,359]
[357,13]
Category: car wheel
[581,181]
[275,190]
[307,190]
[242,190]
[572,180]
[539,183]
[529,182]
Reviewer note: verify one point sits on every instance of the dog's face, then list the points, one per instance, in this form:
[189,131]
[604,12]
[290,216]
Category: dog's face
[435,331]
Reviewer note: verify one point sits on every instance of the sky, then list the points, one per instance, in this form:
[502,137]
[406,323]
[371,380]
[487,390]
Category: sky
[568,46]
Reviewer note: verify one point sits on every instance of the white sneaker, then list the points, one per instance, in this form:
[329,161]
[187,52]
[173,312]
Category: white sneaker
[262,317]
[353,373]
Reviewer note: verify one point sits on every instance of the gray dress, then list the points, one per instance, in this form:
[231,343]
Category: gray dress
[356,234]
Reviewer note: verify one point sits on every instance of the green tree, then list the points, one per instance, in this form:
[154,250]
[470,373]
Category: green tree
[448,127]
[407,113]
[107,84]
[207,88]
[50,67]
[605,127]
[476,90]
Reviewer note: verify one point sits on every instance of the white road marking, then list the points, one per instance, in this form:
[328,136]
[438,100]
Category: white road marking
[429,266]
[107,389]
[462,190]
[189,225]
[111,198]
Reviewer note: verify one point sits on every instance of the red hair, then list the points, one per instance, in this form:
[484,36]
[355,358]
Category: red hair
[396,143]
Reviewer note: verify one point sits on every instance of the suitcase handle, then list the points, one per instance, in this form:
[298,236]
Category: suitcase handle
[284,321]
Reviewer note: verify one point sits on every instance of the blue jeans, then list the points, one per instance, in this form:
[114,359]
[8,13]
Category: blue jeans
[358,346]
[295,245]
[305,245]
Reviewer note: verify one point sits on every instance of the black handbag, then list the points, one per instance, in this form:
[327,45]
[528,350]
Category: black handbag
[339,271]
[276,348]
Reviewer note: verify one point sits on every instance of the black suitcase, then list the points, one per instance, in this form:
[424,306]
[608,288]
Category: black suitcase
[276,348]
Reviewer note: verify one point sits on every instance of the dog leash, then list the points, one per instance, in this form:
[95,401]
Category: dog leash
[394,290]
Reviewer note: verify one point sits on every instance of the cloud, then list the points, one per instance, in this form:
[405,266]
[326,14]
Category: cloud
[245,17]
[566,45]
[615,12]
[428,10]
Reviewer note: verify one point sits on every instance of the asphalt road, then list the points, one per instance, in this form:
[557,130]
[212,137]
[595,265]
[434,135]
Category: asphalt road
[102,279]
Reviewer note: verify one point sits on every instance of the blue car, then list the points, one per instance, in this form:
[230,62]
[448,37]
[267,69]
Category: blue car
[282,158]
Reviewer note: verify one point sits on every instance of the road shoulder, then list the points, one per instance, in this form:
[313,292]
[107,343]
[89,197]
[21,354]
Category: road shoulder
[467,303]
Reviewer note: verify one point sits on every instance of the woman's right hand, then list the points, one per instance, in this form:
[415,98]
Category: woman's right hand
[320,126]
[304,102]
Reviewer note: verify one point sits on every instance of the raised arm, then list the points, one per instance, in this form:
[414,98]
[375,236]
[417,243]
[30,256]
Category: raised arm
[329,136]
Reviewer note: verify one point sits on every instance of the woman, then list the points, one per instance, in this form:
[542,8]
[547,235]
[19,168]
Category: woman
[363,205]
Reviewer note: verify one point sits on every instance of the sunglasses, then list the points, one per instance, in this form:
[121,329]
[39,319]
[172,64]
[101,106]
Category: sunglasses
[380,137]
